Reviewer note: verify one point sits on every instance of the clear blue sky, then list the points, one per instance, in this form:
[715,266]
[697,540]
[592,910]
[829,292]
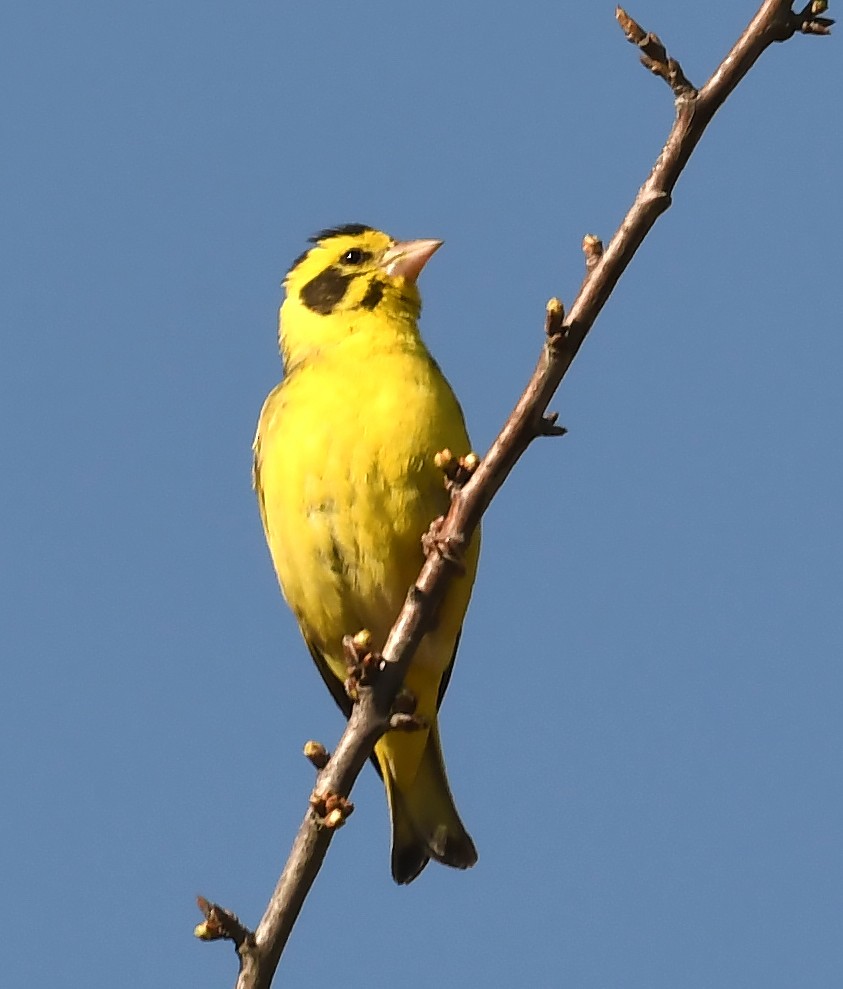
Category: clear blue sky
[644,729]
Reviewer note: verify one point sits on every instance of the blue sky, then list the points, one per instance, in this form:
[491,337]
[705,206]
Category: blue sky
[644,727]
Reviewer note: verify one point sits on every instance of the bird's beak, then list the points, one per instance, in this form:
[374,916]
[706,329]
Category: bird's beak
[407,258]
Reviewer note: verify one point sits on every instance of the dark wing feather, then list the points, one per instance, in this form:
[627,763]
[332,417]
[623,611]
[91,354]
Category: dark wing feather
[446,676]
[344,701]
[336,687]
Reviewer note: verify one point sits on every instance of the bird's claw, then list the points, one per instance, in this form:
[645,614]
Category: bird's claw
[407,722]
[449,547]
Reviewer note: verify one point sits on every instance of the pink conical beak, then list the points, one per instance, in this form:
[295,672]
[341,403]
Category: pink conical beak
[407,258]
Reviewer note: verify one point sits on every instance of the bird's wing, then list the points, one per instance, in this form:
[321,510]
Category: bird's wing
[446,676]
[344,702]
[337,688]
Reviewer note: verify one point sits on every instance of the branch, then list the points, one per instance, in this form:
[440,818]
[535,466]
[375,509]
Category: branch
[474,486]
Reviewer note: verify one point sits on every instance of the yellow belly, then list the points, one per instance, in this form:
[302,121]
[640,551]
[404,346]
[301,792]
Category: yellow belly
[348,486]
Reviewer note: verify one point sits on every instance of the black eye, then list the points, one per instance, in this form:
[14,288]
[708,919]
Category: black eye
[355,256]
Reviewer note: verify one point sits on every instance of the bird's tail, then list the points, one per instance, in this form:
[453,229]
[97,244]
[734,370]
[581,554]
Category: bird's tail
[425,822]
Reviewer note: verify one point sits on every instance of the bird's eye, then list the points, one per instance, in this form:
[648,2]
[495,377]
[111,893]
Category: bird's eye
[355,256]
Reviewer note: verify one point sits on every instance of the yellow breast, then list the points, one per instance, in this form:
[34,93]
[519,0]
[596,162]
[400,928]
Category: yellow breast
[347,483]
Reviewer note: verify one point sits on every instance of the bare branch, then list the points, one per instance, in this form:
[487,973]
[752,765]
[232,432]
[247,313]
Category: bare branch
[654,55]
[376,678]
[221,924]
[807,20]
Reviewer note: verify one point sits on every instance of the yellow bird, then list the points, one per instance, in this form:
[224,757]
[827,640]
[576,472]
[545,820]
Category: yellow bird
[346,482]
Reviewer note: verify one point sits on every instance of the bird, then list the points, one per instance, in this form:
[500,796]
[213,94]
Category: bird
[347,484]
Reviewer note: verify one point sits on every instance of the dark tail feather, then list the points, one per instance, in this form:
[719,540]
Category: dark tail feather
[409,857]
[425,822]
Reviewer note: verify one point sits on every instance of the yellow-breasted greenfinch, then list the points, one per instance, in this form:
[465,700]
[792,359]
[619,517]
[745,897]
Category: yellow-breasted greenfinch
[347,485]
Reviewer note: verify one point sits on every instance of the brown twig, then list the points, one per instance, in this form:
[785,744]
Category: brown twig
[654,55]
[316,753]
[371,714]
[221,924]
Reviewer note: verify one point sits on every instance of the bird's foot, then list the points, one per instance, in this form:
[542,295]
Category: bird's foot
[450,548]
[402,716]
[405,702]
[407,722]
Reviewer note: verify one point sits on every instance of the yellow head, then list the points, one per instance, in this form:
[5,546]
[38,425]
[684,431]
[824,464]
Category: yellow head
[353,277]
